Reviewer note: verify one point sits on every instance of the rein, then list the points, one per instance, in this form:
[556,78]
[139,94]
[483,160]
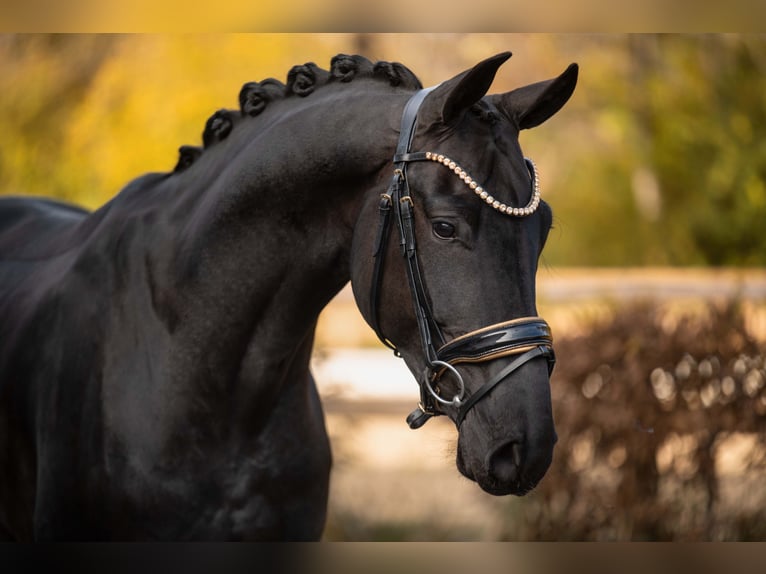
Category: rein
[527,337]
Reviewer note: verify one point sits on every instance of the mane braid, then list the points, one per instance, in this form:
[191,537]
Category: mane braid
[302,81]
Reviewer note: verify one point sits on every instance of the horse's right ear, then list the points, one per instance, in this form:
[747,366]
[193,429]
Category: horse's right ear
[531,105]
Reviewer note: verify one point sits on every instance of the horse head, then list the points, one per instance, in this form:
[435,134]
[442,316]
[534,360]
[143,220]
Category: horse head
[448,280]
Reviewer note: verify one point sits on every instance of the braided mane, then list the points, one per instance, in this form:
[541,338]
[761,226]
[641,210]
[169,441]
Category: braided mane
[302,81]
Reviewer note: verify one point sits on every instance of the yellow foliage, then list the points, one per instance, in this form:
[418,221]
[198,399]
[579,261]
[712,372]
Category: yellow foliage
[155,93]
[149,95]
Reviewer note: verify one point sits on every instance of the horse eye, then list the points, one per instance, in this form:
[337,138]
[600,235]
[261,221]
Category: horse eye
[444,230]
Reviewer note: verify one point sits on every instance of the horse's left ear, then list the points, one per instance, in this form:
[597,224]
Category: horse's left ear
[450,100]
[531,105]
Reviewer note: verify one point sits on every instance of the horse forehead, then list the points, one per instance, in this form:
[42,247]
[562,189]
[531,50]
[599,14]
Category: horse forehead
[479,141]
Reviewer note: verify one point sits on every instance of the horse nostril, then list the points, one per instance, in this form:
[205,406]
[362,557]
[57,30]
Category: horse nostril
[516,453]
[504,464]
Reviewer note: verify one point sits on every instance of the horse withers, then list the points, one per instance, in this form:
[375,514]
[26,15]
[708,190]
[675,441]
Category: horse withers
[154,354]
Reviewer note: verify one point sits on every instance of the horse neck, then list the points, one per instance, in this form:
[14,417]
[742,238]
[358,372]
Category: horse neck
[265,245]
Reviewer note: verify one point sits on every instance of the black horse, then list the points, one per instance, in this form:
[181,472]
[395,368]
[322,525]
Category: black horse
[154,379]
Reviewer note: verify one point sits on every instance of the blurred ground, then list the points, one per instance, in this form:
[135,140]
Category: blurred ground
[392,483]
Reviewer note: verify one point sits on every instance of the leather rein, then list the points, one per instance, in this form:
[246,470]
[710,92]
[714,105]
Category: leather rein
[524,338]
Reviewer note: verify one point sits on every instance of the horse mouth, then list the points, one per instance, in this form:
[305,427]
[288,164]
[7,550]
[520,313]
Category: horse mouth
[487,485]
[519,488]
[505,475]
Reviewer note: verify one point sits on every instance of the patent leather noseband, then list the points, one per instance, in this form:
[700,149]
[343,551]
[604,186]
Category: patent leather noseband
[523,339]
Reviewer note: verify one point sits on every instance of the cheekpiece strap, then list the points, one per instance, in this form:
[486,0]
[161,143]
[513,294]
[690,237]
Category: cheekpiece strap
[409,117]
[392,202]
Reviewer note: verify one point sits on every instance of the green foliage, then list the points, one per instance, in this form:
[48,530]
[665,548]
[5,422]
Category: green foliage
[717,128]
[673,170]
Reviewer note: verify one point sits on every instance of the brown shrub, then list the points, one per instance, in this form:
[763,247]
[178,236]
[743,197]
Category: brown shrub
[644,403]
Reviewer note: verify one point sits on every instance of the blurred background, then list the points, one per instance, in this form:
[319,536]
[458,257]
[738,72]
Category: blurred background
[653,277]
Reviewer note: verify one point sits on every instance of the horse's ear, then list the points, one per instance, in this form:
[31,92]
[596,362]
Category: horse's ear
[531,105]
[450,100]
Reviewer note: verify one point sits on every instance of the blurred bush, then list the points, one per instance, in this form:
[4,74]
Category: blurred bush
[661,418]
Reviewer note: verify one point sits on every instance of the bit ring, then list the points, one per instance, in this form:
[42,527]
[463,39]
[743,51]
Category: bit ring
[455,401]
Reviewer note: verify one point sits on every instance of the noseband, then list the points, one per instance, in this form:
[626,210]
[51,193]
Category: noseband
[525,338]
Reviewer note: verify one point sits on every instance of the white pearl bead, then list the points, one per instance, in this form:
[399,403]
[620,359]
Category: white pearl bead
[530,208]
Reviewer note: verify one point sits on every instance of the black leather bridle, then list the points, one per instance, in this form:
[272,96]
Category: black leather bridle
[525,338]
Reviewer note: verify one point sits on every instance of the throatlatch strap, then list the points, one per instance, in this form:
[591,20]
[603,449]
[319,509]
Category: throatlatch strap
[379,253]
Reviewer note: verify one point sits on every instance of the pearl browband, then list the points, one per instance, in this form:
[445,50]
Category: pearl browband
[529,209]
